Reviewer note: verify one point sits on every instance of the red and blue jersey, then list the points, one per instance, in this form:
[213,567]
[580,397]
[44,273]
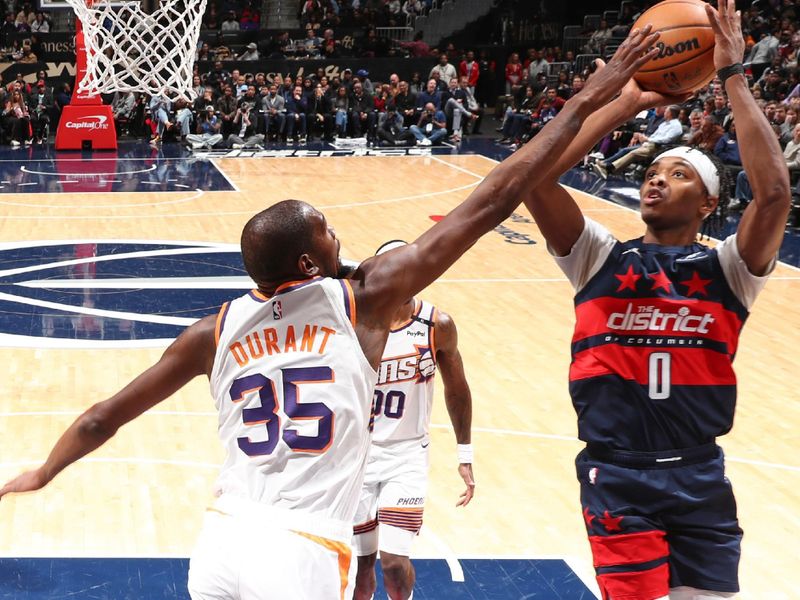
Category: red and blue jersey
[656,332]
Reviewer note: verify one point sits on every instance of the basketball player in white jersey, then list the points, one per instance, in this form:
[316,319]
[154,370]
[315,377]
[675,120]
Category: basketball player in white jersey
[389,514]
[293,365]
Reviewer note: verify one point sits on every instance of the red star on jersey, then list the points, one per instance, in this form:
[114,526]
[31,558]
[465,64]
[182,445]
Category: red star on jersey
[696,285]
[628,280]
[611,523]
[660,280]
[588,517]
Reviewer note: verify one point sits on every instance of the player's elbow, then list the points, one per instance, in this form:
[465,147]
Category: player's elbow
[96,424]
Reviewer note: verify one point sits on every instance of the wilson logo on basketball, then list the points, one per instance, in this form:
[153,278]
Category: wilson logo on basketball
[90,123]
[665,51]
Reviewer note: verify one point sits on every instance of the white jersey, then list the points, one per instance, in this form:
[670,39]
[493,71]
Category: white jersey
[404,392]
[293,390]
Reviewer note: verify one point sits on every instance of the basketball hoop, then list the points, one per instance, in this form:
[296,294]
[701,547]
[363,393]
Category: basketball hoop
[128,49]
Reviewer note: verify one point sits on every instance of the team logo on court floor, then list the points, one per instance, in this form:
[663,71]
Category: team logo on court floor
[109,293]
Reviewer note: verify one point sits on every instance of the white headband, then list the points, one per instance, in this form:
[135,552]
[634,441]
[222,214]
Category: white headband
[700,163]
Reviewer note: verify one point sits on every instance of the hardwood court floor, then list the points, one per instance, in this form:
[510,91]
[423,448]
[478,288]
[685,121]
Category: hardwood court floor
[145,492]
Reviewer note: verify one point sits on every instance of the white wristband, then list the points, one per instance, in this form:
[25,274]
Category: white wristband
[465,454]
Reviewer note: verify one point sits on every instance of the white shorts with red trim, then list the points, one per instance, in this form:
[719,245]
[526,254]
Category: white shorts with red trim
[389,513]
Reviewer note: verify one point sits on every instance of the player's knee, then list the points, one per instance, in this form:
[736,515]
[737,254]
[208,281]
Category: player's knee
[396,569]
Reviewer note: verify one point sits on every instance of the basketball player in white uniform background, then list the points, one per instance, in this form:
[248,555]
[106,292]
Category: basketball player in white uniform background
[293,365]
[389,514]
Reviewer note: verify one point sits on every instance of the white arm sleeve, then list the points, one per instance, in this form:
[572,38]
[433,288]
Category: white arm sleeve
[744,284]
[587,255]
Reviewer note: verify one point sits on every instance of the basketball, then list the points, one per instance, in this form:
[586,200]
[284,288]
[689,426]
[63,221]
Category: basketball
[685,61]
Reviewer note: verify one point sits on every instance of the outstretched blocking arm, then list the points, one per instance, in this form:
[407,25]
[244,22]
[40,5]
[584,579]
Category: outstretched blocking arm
[383,281]
[190,355]
[457,395]
[761,229]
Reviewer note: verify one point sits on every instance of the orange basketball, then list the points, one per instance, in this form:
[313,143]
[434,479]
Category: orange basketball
[685,61]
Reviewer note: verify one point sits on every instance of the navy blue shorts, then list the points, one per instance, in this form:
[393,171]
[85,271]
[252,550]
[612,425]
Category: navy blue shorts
[658,521]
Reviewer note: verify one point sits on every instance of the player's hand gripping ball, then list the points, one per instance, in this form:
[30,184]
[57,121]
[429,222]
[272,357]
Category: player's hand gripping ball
[685,61]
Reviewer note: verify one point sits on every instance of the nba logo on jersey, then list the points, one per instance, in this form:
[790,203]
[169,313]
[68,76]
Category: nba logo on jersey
[277,310]
[593,475]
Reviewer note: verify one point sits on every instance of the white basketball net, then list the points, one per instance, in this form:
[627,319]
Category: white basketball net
[130,50]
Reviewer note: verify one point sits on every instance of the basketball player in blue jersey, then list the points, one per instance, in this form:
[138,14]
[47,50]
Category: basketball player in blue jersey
[389,515]
[658,322]
[292,367]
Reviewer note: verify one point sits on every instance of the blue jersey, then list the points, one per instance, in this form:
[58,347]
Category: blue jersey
[656,332]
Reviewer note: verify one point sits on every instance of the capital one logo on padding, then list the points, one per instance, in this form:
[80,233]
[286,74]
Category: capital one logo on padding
[112,293]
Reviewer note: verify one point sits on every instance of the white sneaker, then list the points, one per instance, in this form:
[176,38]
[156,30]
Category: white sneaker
[426,142]
[237,146]
[197,145]
[14,143]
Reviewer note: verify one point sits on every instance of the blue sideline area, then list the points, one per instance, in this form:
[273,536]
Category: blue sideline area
[162,578]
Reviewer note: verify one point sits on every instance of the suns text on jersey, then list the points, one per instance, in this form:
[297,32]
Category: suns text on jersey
[270,341]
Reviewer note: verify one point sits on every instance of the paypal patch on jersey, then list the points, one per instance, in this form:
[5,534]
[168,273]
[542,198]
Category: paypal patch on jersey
[112,293]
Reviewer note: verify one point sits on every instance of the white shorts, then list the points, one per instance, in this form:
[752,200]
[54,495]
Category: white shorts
[240,559]
[389,513]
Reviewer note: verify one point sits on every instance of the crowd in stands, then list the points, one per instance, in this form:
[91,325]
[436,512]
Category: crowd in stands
[236,110]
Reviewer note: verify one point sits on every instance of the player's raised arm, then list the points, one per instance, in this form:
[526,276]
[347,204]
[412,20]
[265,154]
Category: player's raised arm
[761,229]
[457,397]
[190,355]
[555,211]
[401,273]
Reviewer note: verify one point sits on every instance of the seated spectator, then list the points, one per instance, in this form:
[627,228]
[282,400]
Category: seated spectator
[456,110]
[727,148]
[363,77]
[40,105]
[318,115]
[362,112]
[548,108]
[27,55]
[695,122]
[245,133]
[598,39]
[225,108]
[296,115]
[431,126]
[230,23]
[431,94]
[341,110]
[122,105]
[405,103]
[312,43]
[16,119]
[160,107]
[668,132]
[392,133]
[517,119]
[40,24]
[274,111]
[250,53]
[791,155]
[467,99]
[207,130]
[707,137]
